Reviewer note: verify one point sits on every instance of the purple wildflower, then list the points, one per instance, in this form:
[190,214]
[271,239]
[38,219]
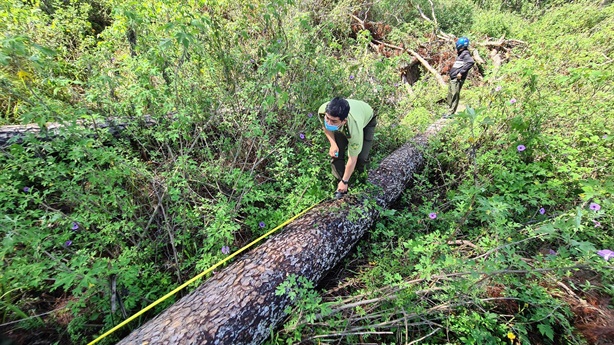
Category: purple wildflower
[542,210]
[498,88]
[225,250]
[597,224]
[551,252]
[278,41]
[67,243]
[521,148]
[26,189]
[432,215]
[352,77]
[310,115]
[594,206]
[252,60]
[74,226]
[261,224]
[302,136]
[513,100]
[605,136]
[606,254]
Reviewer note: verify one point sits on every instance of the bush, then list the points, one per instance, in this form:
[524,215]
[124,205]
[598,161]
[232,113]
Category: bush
[494,24]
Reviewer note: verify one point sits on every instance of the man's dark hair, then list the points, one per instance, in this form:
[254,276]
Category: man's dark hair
[338,107]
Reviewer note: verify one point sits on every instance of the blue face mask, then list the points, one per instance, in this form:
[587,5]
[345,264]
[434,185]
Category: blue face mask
[330,127]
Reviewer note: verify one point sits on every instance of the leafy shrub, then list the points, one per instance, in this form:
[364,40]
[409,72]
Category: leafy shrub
[455,17]
[494,23]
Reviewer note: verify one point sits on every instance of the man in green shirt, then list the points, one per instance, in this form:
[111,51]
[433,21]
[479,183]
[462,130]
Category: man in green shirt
[348,124]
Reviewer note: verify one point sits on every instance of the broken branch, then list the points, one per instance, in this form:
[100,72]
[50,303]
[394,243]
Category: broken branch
[419,58]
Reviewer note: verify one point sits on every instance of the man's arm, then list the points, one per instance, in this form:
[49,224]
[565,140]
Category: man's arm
[331,139]
[349,170]
[468,63]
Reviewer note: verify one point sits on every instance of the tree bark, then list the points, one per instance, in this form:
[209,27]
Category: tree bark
[18,132]
[238,305]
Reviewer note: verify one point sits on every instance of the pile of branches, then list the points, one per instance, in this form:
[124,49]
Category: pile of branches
[436,53]
[378,320]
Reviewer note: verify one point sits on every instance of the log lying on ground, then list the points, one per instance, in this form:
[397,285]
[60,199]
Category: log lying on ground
[50,130]
[239,305]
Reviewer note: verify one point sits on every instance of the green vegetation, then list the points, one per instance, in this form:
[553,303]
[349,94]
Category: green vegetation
[497,241]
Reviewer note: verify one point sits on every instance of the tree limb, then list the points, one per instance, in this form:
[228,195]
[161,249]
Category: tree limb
[423,15]
[477,57]
[502,42]
[419,58]
[433,15]
[428,67]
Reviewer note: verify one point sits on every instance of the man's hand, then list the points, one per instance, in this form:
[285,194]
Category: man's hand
[349,170]
[333,151]
[459,76]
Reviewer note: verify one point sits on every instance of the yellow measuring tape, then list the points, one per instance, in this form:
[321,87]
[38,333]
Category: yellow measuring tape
[158,301]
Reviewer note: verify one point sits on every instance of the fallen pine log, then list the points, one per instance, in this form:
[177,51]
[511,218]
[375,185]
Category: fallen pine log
[239,304]
[50,130]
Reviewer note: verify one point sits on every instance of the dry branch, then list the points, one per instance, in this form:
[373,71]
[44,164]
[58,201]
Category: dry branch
[503,43]
[428,67]
[419,58]
[477,58]
[432,20]
[374,309]
[497,60]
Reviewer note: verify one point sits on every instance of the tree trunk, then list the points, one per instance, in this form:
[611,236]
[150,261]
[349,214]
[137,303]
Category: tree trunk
[238,305]
[18,132]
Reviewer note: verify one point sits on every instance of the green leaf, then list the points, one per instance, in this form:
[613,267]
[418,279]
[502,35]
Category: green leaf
[547,229]
[165,43]
[183,38]
[4,59]
[46,51]
[546,329]
[487,121]
[578,218]
[64,280]
[585,247]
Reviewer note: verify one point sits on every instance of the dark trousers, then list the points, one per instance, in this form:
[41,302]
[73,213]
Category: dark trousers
[454,94]
[338,163]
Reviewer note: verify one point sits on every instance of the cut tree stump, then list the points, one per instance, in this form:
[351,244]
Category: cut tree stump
[238,305]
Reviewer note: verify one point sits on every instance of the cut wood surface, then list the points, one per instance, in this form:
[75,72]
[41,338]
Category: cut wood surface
[238,305]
